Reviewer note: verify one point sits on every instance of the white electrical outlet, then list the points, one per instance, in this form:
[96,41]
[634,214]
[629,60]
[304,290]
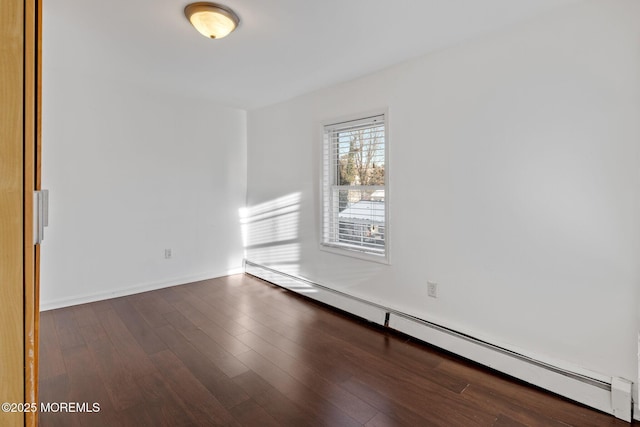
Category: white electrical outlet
[432,289]
[167,253]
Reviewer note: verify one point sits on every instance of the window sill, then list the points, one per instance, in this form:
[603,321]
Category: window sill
[338,250]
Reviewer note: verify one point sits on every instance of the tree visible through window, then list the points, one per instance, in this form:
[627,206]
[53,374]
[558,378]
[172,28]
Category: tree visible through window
[355,186]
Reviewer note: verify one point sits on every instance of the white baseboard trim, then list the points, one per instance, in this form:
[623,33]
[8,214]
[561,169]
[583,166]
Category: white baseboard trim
[599,391]
[135,289]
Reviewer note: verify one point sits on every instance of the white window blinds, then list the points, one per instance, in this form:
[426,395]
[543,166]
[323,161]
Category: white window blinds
[355,186]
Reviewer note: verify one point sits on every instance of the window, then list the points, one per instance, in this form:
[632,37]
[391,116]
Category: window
[355,187]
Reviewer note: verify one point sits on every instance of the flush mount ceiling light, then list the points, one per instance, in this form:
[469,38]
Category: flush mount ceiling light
[211,20]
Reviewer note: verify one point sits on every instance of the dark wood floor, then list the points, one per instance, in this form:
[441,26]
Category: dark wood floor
[238,351]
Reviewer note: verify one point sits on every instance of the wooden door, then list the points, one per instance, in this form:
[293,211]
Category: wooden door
[19,107]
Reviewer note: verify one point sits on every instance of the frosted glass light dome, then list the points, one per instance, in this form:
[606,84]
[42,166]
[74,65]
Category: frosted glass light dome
[211,20]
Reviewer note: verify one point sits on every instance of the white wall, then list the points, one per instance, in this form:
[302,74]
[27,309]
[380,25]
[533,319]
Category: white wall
[515,184]
[130,173]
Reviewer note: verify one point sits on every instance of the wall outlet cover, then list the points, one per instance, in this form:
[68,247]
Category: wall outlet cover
[432,289]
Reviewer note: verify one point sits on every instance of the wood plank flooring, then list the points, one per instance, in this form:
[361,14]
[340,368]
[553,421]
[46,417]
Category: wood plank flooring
[238,351]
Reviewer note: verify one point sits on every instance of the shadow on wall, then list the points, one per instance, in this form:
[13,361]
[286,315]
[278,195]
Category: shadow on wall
[270,234]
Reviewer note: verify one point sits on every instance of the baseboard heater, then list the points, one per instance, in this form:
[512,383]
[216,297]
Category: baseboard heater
[612,395]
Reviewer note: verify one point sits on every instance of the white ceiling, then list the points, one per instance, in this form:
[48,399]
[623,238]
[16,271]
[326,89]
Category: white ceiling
[282,48]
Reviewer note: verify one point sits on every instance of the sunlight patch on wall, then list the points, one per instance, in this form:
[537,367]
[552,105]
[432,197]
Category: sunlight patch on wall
[270,233]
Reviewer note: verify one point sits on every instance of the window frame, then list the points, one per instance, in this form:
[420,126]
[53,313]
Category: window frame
[327,182]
